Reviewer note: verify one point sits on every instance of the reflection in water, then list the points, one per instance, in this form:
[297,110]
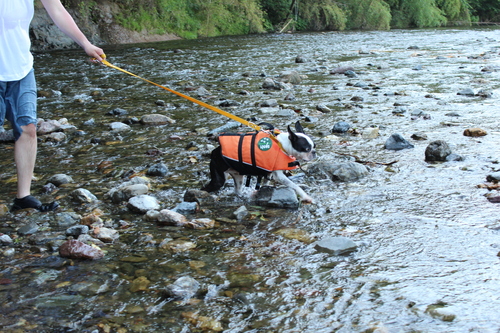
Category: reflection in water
[427,237]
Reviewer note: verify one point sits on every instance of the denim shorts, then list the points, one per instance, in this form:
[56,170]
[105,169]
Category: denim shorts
[18,103]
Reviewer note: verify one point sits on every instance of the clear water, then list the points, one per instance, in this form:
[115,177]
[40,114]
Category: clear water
[428,239]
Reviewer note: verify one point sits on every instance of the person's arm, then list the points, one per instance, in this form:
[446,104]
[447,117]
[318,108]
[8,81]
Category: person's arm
[65,22]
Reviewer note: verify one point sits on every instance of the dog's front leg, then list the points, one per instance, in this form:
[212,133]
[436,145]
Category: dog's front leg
[283,179]
[238,180]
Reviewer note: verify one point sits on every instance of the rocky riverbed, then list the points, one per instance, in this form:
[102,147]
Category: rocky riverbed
[402,236]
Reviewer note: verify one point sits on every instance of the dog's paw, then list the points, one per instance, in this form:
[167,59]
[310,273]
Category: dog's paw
[307,200]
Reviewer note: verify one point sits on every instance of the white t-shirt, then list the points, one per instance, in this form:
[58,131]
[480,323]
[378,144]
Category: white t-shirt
[16,59]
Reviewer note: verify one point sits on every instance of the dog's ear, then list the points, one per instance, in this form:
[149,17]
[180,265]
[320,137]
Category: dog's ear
[298,127]
[268,126]
[291,135]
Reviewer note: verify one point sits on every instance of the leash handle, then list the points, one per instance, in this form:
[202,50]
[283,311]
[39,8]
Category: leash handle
[194,100]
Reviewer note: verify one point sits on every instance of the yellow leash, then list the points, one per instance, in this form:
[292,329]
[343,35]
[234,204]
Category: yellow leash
[208,106]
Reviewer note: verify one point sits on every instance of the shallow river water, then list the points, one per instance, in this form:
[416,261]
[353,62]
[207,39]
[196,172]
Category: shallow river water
[428,240]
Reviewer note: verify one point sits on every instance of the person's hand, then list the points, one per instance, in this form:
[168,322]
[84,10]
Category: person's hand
[95,52]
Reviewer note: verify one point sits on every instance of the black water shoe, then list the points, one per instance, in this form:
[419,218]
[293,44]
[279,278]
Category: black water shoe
[32,202]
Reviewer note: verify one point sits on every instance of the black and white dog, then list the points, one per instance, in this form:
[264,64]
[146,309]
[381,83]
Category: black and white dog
[261,154]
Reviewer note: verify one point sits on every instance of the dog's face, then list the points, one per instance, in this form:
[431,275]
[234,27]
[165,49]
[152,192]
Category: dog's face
[299,145]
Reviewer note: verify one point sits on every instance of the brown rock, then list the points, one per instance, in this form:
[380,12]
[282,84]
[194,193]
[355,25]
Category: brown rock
[74,249]
[475,132]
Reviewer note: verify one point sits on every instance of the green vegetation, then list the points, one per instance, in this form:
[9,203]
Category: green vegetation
[191,19]
[202,18]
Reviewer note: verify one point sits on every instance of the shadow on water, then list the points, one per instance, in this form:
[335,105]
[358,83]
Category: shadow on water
[427,256]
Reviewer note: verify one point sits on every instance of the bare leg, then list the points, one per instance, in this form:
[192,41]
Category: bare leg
[25,150]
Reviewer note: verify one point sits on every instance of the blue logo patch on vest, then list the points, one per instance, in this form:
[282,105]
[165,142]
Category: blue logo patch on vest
[265,144]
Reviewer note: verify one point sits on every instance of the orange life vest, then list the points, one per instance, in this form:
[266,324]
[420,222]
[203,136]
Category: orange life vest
[258,150]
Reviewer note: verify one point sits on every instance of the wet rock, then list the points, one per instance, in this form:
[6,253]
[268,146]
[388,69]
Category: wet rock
[202,92]
[159,170]
[200,224]
[466,92]
[270,103]
[49,126]
[83,196]
[143,203]
[179,245]
[292,77]
[351,74]
[124,193]
[285,113]
[419,136]
[301,59]
[9,252]
[227,103]
[55,137]
[5,239]
[341,69]
[341,127]
[139,284]
[207,324]
[4,209]
[418,67]
[240,213]
[417,113]
[294,233]
[184,287]
[397,142]
[60,179]
[28,229]
[454,158]
[156,119]
[439,311]
[67,219]
[75,249]
[106,235]
[370,133]
[270,84]
[278,197]
[362,85]
[77,230]
[186,207]
[475,132]
[6,136]
[91,219]
[119,126]
[335,245]
[400,109]
[344,172]
[323,108]
[494,199]
[493,177]
[243,279]
[484,93]
[437,151]
[490,69]
[166,217]
[117,112]
[289,97]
